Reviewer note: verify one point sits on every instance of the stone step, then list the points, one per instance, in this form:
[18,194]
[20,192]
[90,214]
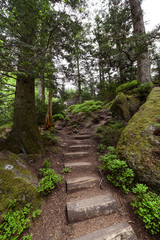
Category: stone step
[82,137]
[91,207]
[75,155]
[78,165]
[81,147]
[84,133]
[117,232]
[81,183]
[79,142]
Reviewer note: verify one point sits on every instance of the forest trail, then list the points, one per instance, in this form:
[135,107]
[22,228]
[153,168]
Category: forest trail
[92,210]
[85,205]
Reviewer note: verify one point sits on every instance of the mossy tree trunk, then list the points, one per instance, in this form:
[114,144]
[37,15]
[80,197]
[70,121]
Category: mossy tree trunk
[49,117]
[143,61]
[25,136]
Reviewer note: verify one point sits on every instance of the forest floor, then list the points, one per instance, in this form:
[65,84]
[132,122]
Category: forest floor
[53,223]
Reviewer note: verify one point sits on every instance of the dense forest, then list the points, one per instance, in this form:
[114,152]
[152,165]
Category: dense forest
[36,39]
[53,54]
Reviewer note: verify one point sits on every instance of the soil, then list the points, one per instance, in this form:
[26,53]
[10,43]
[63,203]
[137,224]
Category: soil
[53,224]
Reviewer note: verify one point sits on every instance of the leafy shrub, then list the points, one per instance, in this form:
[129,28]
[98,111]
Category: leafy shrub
[109,135]
[86,107]
[50,179]
[58,106]
[14,222]
[65,170]
[49,138]
[127,86]
[60,116]
[118,171]
[101,148]
[147,205]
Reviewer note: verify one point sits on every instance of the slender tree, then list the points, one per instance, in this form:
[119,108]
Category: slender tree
[143,61]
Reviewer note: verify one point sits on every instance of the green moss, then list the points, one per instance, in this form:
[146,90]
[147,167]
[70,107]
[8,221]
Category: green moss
[4,129]
[108,135]
[137,141]
[143,89]
[127,86]
[119,107]
[86,107]
[17,183]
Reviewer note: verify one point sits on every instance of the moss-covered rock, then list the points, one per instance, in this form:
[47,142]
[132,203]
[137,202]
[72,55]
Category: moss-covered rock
[16,181]
[133,103]
[119,107]
[139,146]
[125,106]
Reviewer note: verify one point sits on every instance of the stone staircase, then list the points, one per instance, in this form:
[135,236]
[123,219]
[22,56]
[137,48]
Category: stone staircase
[86,202]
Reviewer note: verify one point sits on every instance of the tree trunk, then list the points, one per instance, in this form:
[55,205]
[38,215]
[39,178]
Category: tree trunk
[49,117]
[143,62]
[25,136]
[79,81]
[158,68]
[41,89]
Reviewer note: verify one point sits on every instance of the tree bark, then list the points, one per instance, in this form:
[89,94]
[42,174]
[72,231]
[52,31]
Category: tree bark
[49,115]
[79,81]
[143,62]
[25,136]
[41,89]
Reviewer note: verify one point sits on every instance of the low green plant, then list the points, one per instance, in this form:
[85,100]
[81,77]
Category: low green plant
[49,137]
[60,116]
[101,148]
[46,164]
[36,213]
[109,135]
[65,170]
[14,222]
[87,107]
[127,86]
[49,181]
[28,237]
[147,205]
[118,171]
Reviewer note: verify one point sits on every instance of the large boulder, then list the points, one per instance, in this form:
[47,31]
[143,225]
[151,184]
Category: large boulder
[124,106]
[17,181]
[138,144]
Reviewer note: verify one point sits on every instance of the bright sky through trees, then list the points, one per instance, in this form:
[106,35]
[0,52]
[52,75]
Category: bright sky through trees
[150,9]
[151,13]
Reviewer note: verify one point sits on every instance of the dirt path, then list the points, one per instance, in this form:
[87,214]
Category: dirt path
[67,216]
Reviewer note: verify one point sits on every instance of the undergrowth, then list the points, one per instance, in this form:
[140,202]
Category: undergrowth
[87,107]
[49,180]
[135,87]
[127,86]
[60,116]
[118,171]
[14,222]
[109,135]
[147,205]
[49,137]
